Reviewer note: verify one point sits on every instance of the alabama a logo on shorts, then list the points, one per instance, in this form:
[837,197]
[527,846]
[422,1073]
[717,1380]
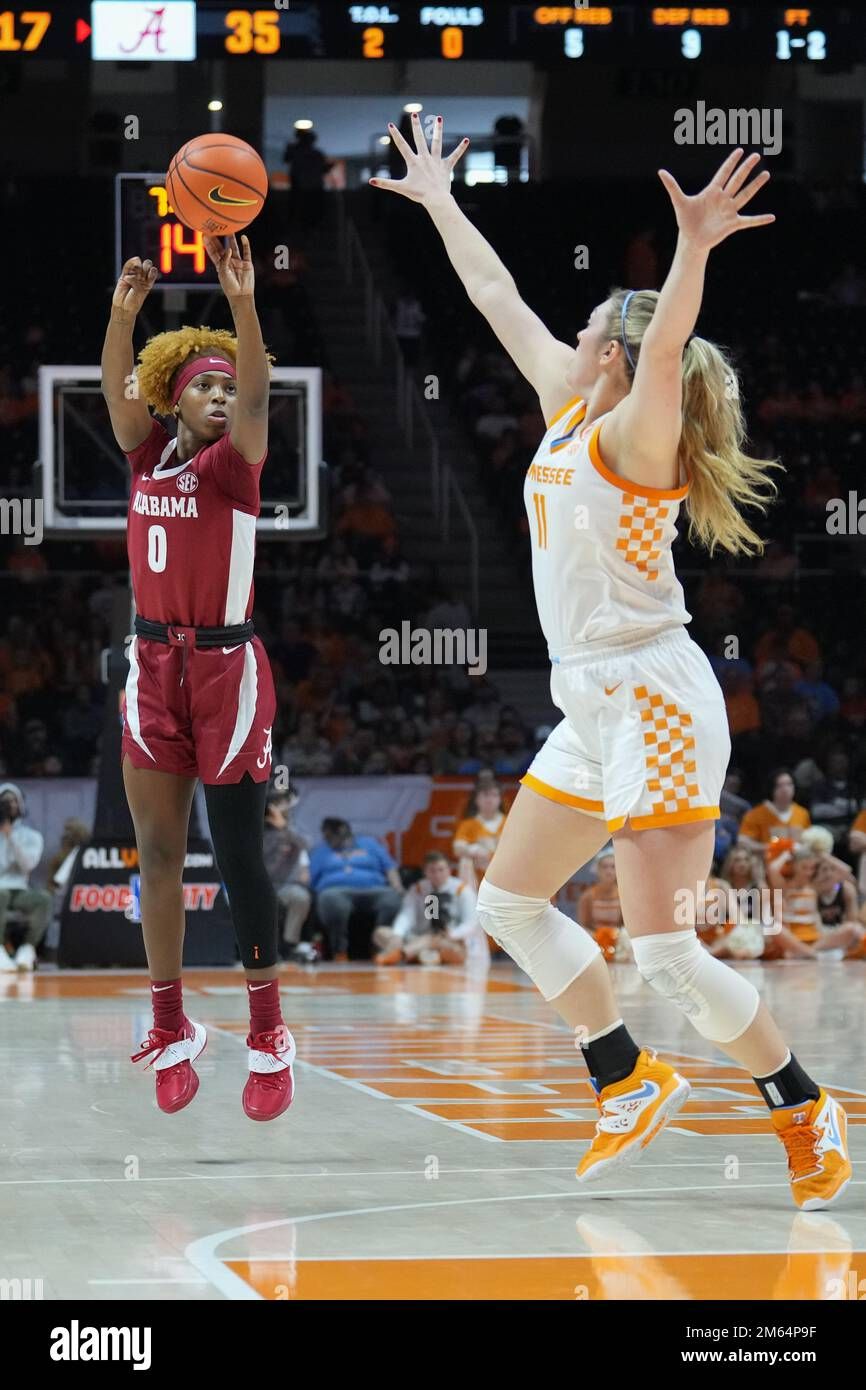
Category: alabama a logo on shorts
[266,751]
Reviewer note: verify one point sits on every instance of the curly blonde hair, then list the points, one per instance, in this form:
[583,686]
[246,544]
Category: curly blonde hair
[164,353]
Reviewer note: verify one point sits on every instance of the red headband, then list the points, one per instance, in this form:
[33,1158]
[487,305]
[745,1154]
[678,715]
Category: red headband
[193,368]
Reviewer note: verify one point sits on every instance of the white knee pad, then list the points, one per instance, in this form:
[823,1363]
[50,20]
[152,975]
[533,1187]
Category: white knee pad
[539,938]
[717,1000]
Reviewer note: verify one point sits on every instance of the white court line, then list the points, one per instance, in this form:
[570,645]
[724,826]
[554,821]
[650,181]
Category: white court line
[187,1280]
[450,1124]
[331,1173]
[201,1253]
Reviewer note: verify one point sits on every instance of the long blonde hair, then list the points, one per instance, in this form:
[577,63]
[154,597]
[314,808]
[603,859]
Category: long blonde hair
[722,478]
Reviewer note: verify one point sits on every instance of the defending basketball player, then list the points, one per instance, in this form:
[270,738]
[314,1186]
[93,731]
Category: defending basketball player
[643,418]
[200,698]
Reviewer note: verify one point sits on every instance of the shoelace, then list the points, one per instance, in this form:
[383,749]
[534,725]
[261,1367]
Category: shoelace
[158,1039]
[801,1143]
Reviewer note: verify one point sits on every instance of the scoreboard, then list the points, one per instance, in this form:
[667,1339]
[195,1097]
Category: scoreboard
[183,31]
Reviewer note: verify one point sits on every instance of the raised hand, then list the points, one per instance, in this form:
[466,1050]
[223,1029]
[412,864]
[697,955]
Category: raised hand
[234,268]
[428,175]
[709,217]
[137,279]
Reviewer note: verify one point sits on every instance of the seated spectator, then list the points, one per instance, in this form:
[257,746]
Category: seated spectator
[287,861]
[857,845]
[740,934]
[514,754]
[833,801]
[436,924]
[477,835]
[778,815]
[853,708]
[798,932]
[337,562]
[744,712]
[730,802]
[20,851]
[786,640]
[305,745]
[346,872]
[803,932]
[599,910]
[81,726]
[294,653]
[485,710]
[837,908]
[821,698]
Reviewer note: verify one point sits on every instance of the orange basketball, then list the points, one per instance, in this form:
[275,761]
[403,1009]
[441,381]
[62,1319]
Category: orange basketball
[217,184]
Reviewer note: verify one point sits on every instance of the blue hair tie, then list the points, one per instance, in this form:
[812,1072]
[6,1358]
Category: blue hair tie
[625,304]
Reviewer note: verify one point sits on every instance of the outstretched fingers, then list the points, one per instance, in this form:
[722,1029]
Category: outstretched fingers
[457,154]
[400,142]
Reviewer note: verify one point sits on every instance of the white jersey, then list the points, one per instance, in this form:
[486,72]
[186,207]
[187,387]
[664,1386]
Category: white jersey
[601,545]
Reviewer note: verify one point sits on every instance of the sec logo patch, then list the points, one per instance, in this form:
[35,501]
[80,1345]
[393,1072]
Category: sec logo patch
[187,482]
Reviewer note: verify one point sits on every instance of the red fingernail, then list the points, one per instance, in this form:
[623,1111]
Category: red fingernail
[438,120]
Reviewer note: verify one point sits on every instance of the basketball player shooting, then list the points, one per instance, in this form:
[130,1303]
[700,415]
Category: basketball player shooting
[200,698]
[642,416]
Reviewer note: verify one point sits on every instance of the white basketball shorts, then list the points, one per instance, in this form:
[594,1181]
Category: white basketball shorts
[645,734]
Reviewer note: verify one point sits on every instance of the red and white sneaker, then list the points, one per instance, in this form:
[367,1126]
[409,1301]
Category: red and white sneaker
[270,1085]
[171,1056]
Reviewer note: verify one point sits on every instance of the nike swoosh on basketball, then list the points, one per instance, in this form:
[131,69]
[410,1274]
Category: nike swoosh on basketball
[226,650]
[217,196]
[608,690]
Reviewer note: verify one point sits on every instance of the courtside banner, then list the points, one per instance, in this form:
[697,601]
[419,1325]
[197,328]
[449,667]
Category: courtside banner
[100,921]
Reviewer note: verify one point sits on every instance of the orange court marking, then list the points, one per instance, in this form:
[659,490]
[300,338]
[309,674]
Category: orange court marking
[579,1277]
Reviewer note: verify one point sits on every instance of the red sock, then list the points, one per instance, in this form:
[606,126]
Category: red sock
[167,997]
[265,1015]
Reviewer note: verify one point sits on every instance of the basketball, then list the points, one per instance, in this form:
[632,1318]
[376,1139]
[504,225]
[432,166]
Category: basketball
[217,184]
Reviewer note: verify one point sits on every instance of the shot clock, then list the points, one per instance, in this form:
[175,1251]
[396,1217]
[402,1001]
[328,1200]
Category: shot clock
[146,225]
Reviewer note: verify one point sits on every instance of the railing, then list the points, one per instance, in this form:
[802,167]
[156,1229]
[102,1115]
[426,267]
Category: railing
[411,413]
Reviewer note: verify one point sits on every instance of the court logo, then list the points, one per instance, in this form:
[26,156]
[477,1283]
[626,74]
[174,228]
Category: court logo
[186,482]
[268,748]
[737,126]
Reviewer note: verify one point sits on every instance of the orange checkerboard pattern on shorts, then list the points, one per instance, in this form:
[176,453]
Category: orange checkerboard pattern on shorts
[641,524]
[668,740]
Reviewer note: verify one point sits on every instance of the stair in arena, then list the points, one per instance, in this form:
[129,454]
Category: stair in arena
[506,603]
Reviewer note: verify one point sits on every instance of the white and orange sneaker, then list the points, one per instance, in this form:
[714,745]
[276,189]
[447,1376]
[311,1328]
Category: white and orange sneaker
[171,1056]
[633,1111]
[270,1086]
[815,1137]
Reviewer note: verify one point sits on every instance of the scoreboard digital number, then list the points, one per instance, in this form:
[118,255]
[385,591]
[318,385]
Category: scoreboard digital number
[183,31]
[146,226]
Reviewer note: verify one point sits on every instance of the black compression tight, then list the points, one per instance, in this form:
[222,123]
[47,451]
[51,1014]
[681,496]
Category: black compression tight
[236,815]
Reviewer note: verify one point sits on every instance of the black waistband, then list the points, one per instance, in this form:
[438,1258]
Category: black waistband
[173,634]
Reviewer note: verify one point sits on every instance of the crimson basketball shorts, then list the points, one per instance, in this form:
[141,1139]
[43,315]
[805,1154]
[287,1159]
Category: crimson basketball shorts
[644,738]
[203,712]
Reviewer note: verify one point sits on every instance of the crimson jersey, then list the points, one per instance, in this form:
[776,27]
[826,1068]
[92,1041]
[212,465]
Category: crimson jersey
[191,532]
